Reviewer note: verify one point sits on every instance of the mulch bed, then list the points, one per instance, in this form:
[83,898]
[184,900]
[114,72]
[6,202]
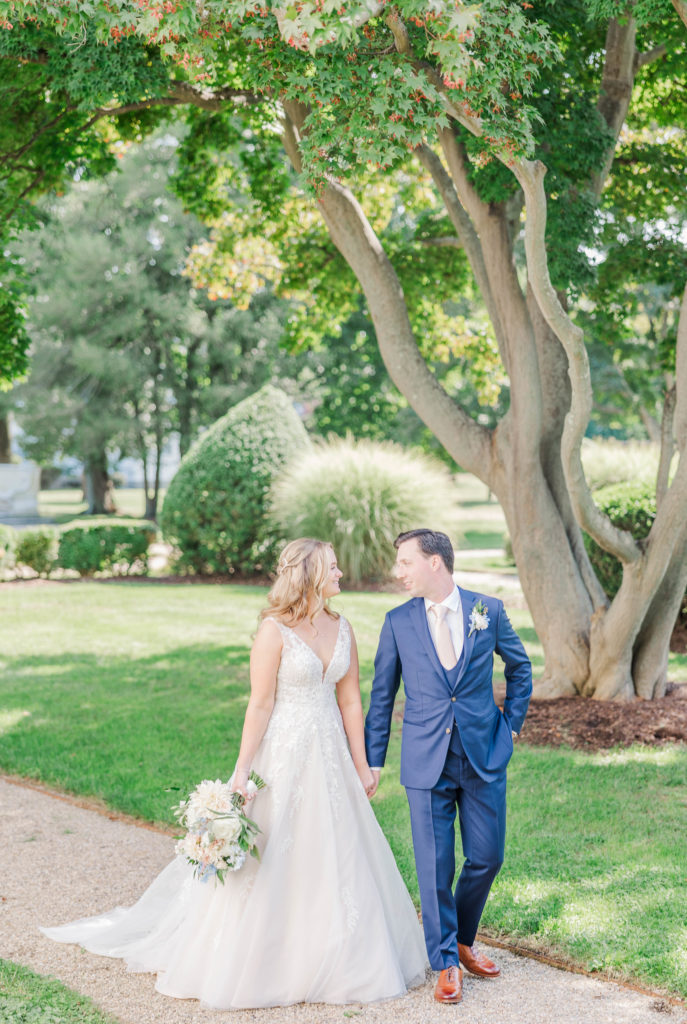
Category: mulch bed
[591,725]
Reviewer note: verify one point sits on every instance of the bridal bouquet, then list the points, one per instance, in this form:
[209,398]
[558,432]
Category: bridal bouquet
[219,834]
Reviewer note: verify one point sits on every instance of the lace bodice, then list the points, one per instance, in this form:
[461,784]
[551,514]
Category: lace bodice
[302,676]
[305,720]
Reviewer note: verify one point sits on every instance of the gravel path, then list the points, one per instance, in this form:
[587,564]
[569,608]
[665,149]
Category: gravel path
[59,861]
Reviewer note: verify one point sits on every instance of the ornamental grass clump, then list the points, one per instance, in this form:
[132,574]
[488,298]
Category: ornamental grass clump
[360,495]
[215,511]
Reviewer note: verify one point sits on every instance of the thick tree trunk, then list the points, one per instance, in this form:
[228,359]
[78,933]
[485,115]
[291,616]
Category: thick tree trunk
[5,449]
[96,475]
[652,647]
[153,498]
[151,506]
[184,421]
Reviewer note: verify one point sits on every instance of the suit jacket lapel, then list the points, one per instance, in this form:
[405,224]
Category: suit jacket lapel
[418,614]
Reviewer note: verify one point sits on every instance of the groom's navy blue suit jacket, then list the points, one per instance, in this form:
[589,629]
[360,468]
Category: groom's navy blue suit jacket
[433,704]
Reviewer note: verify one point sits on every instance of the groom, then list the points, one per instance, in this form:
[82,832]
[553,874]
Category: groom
[456,743]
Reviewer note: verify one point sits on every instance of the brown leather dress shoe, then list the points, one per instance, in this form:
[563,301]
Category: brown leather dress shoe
[477,963]
[449,987]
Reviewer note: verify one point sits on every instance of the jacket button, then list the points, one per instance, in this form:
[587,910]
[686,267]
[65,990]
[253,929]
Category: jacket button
[448,730]
[453,700]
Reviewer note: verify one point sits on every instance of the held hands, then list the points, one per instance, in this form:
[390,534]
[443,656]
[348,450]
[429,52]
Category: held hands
[369,779]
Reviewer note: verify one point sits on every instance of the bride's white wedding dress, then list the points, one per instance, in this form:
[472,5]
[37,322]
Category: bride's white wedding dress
[323,917]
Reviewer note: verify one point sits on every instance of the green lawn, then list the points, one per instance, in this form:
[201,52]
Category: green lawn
[28,998]
[132,692]
[64,505]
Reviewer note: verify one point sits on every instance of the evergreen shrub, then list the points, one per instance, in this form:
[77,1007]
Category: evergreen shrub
[215,510]
[630,506]
[116,546]
[8,544]
[37,548]
[360,495]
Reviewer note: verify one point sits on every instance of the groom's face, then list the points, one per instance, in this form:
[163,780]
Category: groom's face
[416,570]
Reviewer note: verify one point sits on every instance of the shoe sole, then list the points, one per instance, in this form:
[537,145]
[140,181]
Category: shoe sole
[479,974]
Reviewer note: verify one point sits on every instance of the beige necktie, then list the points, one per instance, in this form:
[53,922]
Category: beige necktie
[444,643]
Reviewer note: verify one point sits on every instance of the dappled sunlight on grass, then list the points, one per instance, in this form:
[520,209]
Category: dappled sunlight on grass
[666,755]
[36,669]
[10,719]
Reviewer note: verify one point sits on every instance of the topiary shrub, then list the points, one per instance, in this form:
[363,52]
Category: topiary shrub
[360,495]
[37,548]
[215,511]
[8,544]
[119,547]
[630,506]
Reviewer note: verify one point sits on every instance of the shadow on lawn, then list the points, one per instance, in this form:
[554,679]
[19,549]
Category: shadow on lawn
[126,729]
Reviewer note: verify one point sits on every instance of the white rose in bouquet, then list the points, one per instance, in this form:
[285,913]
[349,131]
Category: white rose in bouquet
[227,828]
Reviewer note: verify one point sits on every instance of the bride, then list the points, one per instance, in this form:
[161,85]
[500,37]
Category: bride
[324,915]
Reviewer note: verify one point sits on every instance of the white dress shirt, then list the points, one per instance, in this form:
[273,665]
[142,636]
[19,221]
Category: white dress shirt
[454,618]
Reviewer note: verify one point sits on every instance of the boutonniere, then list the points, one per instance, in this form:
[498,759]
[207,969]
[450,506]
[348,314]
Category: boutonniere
[478,618]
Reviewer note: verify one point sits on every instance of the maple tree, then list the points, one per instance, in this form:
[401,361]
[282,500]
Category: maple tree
[515,114]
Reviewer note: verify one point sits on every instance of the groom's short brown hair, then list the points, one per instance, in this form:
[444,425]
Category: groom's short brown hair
[431,542]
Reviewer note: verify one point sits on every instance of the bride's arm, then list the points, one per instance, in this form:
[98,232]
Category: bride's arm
[351,708]
[264,663]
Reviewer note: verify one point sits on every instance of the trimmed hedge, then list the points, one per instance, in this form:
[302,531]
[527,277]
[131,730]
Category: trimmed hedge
[630,506]
[215,510]
[116,546]
[37,548]
[360,495]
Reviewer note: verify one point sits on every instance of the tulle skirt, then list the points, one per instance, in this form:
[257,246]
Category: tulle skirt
[324,916]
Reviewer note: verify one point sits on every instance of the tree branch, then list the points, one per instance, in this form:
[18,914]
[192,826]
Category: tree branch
[38,178]
[352,234]
[180,93]
[466,232]
[681,8]
[649,56]
[457,160]
[617,80]
[449,241]
[667,443]
[17,153]
[680,423]
[530,174]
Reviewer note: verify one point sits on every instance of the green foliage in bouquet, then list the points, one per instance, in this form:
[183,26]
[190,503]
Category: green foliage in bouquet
[37,548]
[630,506]
[360,495]
[120,547]
[215,511]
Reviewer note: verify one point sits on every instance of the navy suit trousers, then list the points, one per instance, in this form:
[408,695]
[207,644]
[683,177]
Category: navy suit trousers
[450,917]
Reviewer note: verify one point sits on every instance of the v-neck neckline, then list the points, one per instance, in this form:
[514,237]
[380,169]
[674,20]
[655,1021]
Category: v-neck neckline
[305,643]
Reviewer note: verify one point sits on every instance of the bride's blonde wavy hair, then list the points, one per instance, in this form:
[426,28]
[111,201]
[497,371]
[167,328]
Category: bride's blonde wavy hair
[302,574]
